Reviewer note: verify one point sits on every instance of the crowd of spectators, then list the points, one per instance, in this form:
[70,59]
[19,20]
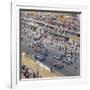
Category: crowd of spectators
[28,72]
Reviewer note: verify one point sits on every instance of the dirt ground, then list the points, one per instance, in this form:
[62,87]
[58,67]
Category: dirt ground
[26,60]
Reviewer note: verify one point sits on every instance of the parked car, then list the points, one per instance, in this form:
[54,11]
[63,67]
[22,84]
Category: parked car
[67,61]
[57,57]
[40,57]
[37,49]
[45,51]
[58,65]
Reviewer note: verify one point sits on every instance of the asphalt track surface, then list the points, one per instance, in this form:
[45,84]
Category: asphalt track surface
[68,70]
